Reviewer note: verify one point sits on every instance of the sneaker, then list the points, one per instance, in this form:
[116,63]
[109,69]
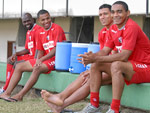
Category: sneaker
[90,109]
[2,90]
[110,111]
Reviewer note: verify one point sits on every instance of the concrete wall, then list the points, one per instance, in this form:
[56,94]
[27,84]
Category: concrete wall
[8,32]
[97,27]
[64,22]
[138,19]
[15,8]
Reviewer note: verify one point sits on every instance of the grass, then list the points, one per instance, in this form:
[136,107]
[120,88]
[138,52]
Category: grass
[33,103]
[37,105]
[29,105]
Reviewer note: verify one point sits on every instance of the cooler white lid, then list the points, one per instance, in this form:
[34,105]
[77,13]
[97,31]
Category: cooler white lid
[84,45]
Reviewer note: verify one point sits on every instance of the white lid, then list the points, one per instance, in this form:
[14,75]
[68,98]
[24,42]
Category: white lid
[82,45]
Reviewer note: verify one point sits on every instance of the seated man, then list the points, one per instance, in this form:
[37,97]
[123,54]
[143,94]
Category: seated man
[46,45]
[28,52]
[80,89]
[131,65]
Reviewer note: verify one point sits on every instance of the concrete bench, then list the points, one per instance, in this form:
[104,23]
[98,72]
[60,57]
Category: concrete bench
[136,95]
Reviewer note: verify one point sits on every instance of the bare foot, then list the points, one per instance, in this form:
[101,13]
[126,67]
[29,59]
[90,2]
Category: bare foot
[54,108]
[4,95]
[51,98]
[42,93]
[17,97]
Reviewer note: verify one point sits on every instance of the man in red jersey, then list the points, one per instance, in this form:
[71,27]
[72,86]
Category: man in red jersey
[46,46]
[130,65]
[80,89]
[28,52]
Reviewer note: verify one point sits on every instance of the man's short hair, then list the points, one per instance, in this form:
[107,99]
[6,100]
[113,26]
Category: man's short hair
[123,4]
[42,11]
[105,6]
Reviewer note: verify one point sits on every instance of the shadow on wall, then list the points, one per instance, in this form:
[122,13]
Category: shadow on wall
[21,36]
[81,29]
[146,27]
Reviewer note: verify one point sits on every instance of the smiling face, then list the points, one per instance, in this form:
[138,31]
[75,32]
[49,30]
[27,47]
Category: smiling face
[119,14]
[27,21]
[105,17]
[45,20]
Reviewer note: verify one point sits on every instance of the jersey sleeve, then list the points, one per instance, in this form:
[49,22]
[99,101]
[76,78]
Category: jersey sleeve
[39,42]
[130,37]
[100,40]
[59,35]
[109,41]
[26,43]
[36,37]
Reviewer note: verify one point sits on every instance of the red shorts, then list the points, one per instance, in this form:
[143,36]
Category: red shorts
[49,63]
[141,75]
[24,57]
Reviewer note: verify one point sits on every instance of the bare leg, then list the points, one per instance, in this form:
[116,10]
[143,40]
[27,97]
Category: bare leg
[20,68]
[84,91]
[32,80]
[78,95]
[120,70]
[96,75]
[58,99]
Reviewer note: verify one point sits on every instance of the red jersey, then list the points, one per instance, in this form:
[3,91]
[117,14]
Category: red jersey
[102,37]
[31,40]
[47,39]
[130,37]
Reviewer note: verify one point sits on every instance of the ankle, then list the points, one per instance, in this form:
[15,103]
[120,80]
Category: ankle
[61,96]
[94,99]
[115,105]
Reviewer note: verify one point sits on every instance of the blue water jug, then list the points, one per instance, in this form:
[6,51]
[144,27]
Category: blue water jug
[94,47]
[75,66]
[62,56]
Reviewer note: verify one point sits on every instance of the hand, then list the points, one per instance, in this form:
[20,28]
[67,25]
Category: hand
[85,75]
[87,58]
[38,62]
[13,58]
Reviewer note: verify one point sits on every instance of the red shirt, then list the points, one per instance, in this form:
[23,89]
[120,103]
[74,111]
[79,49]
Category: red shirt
[31,39]
[130,37]
[102,37]
[47,39]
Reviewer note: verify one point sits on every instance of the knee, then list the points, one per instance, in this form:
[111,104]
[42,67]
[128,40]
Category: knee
[88,83]
[116,67]
[94,66]
[19,67]
[37,69]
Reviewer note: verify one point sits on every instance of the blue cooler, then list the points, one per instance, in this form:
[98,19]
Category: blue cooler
[75,66]
[94,47]
[62,56]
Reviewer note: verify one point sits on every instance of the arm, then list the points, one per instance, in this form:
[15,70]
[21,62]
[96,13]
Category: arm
[103,57]
[41,57]
[49,55]
[123,56]
[90,57]
[23,52]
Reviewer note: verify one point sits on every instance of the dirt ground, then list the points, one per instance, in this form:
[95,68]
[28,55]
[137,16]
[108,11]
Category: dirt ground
[33,103]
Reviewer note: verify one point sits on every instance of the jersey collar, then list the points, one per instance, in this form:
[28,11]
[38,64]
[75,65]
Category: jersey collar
[32,27]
